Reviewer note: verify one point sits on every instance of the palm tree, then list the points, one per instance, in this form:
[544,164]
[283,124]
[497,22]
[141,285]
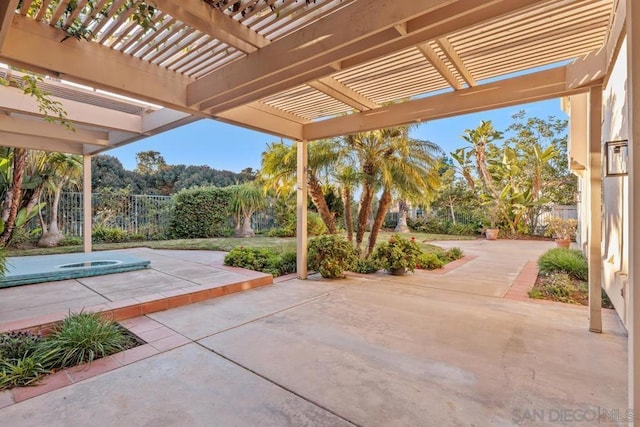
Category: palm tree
[279,172]
[347,178]
[409,170]
[390,160]
[403,209]
[13,195]
[61,169]
[246,199]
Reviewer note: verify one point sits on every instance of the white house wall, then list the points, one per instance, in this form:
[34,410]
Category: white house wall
[615,241]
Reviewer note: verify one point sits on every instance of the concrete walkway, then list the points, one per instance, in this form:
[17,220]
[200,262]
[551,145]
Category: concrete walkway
[369,351]
[170,271]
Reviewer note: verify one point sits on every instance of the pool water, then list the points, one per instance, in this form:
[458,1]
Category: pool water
[48,268]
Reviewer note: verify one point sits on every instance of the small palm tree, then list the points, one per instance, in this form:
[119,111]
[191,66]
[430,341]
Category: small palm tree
[60,169]
[246,199]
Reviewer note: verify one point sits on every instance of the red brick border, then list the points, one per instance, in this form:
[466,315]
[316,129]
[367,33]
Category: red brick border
[453,265]
[139,306]
[159,339]
[519,289]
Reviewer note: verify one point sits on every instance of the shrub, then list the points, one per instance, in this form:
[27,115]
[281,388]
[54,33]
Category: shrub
[366,266]
[102,234]
[84,337]
[287,262]
[282,232]
[201,212]
[428,225]
[398,253]
[264,260]
[331,255]
[453,254]
[315,225]
[570,261]
[462,229]
[430,261]
[16,345]
[70,241]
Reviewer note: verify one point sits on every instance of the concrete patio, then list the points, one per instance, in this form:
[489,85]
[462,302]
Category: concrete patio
[424,349]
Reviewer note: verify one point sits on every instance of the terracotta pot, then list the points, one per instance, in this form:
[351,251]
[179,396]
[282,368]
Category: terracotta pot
[563,243]
[491,233]
[397,271]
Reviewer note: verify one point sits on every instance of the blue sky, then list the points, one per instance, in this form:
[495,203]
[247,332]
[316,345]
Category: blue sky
[222,146]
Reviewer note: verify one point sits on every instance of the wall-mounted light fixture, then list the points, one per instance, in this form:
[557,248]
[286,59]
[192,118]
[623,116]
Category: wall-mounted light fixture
[617,158]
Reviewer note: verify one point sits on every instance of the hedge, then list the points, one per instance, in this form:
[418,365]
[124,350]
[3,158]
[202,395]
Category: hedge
[201,212]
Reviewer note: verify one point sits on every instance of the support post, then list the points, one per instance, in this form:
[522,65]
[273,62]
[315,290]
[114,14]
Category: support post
[633,295]
[87,213]
[301,199]
[595,209]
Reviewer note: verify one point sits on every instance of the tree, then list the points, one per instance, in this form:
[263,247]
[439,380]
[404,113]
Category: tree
[279,170]
[62,169]
[149,162]
[245,200]
[389,161]
[347,178]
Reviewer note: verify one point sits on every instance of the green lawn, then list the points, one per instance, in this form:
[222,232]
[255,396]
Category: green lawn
[279,244]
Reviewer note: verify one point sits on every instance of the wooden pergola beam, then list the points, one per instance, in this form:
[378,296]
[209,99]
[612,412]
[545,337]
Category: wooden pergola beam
[455,60]
[44,129]
[281,65]
[43,143]
[518,90]
[326,38]
[7,10]
[30,43]
[197,14]
[333,88]
[14,100]
[439,65]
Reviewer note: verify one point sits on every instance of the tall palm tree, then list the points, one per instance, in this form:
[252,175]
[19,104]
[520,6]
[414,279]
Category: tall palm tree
[347,178]
[279,171]
[13,195]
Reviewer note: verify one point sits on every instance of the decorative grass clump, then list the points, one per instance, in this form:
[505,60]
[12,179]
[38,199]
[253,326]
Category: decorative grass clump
[84,337]
[23,360]
[561,260]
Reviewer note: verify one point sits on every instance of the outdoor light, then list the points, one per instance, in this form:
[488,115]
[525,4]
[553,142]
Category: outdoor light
[617,158]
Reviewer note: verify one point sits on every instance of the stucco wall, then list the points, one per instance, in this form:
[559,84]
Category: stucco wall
[615,247]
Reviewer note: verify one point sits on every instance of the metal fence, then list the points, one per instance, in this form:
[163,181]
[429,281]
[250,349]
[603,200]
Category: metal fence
[147,215]
[150,215]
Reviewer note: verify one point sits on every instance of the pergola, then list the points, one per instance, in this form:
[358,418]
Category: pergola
[314,69]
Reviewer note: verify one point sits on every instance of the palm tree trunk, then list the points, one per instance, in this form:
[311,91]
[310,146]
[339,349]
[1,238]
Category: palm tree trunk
[363,213]
[348,216]
[246,230]
[317,197]
[383,207]
[19,159]
[401,226]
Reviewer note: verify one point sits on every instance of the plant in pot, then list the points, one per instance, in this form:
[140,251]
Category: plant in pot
[398,255]
[493,215]
[562,229]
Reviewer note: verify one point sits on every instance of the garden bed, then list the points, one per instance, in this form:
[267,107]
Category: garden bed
[26,358]
[563,278]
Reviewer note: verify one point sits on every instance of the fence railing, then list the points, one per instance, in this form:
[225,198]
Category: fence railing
[150,215]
